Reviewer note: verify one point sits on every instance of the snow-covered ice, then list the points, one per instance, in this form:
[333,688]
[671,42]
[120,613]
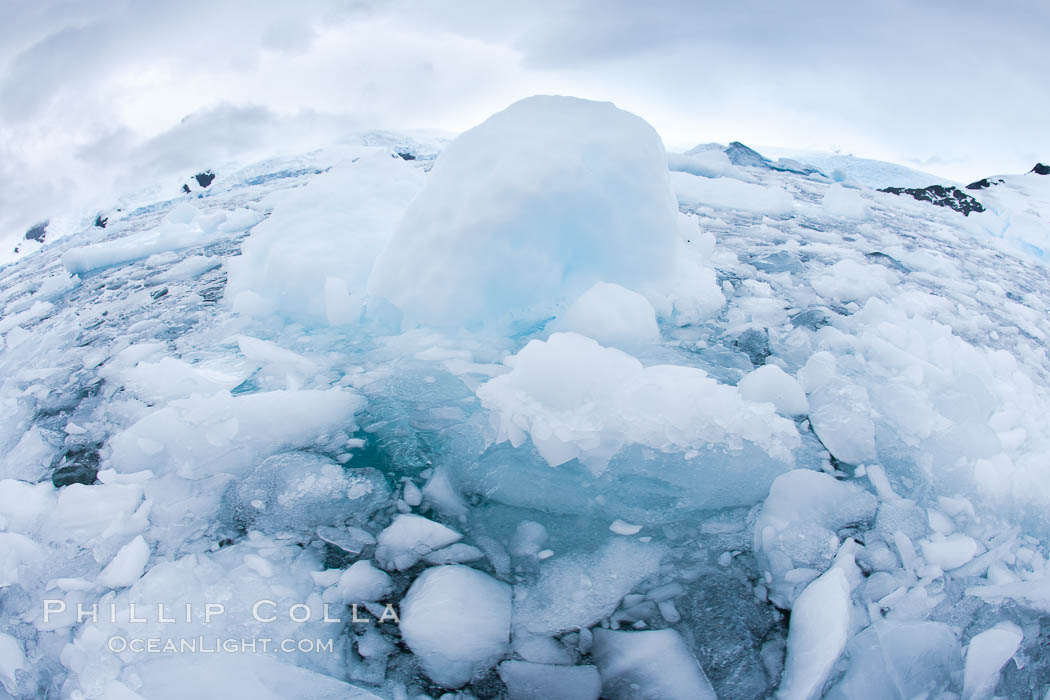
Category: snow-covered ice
[457,621]
[784,437]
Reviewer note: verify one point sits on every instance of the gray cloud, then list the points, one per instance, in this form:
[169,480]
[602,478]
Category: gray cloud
[94,90]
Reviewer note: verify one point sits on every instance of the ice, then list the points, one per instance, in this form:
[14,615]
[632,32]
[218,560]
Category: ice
[12,660]
[299,491]
[409,538]
[819,630]
[577,590]
[840,411]
[846,203]
[578,400]
[771,384]
[183,228]
[236,676]
[482,243]
[986,655]
[168,378]
[653,665]
[726,193]
[250,440]
[949,552]
[127,566]
[796,527]
[310,260]
[900,660]
[705,162]
[456,620]
[360,583]
[200,435]
[189,268]
[613,316]
[28,459]
[529,681]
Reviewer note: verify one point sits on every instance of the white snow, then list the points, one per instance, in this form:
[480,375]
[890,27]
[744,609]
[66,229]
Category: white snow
[409,538]
[483,242]
[649,665]
[457,621]
[577,399]
[612,315]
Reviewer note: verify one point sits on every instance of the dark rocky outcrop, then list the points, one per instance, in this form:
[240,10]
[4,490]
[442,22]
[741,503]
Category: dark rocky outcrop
[941,196]
[101,221]
[37,232]
[1041,169]
[747,157]
[205,178]
[984,183]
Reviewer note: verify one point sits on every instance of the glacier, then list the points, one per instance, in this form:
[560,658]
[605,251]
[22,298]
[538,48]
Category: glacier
[543,411]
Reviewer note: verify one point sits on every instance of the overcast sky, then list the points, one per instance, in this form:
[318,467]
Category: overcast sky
[99,92]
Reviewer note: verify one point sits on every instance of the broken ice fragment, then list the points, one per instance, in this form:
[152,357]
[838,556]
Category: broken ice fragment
[457,621]
[652,665]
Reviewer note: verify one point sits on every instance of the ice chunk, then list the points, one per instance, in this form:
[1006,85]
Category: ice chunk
[441,494]
[840,411]
[612,315]
[18,556]
[900,661]
[168,378]
[458,553]
[409,538]
[949,552]
[12,659]
[200,436]
[29,459]
[529,538]
[797,524]
[298,491]
[771,384]
[484,242]
[457,621]
[127,566]
[529,681]
[726,193]
[190,267]
[817,635]
[575,591]
[361,583]
[311,258]
[577,399]
[652,665]
[845,203]
[239,676]
[181,229]
[985,657]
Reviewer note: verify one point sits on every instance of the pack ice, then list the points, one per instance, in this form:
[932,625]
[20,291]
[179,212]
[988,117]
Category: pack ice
[541,412]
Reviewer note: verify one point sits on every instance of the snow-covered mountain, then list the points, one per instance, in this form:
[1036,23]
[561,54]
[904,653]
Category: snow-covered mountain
[542,412]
